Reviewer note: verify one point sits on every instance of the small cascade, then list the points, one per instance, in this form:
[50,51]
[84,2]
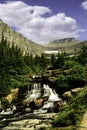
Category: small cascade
[43,96]
[53,97]
[47,92]
[8,111]
[34,93]
[40,98]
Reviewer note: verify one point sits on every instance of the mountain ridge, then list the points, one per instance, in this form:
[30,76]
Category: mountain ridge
[18,39]
[68,45]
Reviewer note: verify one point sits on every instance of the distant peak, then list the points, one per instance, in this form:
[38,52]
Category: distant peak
[64,40]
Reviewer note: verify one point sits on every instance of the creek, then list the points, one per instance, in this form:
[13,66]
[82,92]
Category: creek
[48,95]
[40,98]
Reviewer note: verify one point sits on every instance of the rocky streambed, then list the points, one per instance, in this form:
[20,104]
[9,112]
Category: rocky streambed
[35,108]
[27,121]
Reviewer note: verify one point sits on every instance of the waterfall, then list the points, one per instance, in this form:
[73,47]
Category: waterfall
[39,91]
[53,97]
[34,93]
[46,90]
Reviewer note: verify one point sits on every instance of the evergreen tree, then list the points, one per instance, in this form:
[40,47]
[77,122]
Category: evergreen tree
[83,55]
[44,61]
[59,61]
[52,60]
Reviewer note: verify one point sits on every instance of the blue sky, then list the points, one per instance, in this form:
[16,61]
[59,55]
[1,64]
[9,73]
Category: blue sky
[45,20]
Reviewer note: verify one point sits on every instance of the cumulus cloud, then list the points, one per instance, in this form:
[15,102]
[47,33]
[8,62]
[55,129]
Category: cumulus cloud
[32,23]
[84,5]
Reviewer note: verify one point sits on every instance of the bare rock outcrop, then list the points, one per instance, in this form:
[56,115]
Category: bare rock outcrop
[13,95]
[83,124]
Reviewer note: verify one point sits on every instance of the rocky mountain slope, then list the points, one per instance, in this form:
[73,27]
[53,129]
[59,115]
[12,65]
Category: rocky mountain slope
[68,45]
[15,38]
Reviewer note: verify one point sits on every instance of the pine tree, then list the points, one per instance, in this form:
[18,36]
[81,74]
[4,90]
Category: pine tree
[53,59]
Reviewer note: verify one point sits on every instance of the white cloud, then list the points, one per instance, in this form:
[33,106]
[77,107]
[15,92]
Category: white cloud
[84,5]
[31,22]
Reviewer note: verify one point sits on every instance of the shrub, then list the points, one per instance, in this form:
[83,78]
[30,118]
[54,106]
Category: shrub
[72,113]
[74,78]
[69,64]
[4,102]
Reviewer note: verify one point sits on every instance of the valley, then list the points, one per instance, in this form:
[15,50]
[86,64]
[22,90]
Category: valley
[47,85]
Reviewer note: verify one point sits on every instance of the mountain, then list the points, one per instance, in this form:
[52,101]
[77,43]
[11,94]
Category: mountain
[68,45]
[18,39]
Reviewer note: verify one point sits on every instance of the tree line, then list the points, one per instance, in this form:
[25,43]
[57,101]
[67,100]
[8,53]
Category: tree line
[14,64]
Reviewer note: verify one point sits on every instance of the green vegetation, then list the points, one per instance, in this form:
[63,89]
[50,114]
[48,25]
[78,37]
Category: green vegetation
[72,113]
[16,70]
[74,77]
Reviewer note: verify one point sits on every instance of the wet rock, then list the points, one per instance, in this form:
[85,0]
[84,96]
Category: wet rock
[40,122]
[38,103]
[28,110]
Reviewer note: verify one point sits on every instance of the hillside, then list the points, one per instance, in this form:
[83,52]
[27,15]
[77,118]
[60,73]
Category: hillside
[68,45]
[15,38]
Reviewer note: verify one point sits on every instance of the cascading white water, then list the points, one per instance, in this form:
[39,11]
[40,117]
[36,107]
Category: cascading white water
[36,92]
[53,97]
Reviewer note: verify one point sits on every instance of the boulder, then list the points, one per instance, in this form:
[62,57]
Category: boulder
[72,92]
[15,91]
[13,95]
[67,94]
[76,90]
[9,98]
[38,103]
[58,106]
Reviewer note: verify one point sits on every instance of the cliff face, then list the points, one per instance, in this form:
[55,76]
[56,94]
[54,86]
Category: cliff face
[68,45]
[65,40]
[64,45]
[15,38]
